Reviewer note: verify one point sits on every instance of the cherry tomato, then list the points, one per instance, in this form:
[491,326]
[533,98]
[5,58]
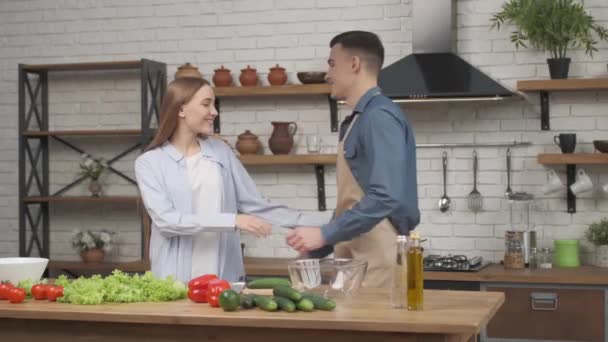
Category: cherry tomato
[201,282]
[54,292]
[39,291]
[4,289]
[16,295]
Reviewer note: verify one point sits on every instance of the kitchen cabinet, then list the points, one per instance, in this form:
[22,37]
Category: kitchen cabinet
[548,312]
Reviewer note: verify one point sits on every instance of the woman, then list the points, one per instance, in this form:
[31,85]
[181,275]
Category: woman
[197,192]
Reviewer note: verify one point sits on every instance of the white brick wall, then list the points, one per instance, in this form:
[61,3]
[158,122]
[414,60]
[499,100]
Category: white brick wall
[294,34]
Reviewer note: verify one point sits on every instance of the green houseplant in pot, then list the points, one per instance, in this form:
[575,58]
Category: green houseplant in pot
[598,235]
[551,25]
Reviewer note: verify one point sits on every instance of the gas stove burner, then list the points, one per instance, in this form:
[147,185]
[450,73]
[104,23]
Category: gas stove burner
[452,263]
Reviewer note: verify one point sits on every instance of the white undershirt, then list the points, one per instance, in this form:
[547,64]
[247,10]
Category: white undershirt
[206,184]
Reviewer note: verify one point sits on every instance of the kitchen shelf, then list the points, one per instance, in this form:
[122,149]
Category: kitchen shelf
[296,159]
[273,91]
[83,199]
[72,267]
[284,90]
[318,160]
[112,65]
[571,160]
[545,86]
[81,133]
[34,147]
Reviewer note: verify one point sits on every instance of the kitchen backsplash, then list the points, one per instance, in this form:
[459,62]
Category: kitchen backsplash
[294,34]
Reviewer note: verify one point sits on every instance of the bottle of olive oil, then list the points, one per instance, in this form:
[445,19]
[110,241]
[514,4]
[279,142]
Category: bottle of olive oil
[415,281]
[399,289]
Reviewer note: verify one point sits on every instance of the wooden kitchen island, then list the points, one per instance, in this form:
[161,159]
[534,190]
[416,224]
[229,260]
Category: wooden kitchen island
[448,316]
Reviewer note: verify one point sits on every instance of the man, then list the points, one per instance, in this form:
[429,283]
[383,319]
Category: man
[376,165]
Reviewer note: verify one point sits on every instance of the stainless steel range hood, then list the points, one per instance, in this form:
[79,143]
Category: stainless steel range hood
[433,72]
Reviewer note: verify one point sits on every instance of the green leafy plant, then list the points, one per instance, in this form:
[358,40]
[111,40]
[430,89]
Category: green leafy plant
[90,167]
[551,25]
[83,241]
[598,232]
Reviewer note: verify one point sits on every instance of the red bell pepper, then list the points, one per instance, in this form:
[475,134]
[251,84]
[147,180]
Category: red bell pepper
[216,287]
[200,284]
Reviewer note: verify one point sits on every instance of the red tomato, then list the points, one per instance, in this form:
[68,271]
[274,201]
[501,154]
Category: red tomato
[16,295]
[197,295]
[201,282]
[4,289]
[53,292]
[39,291]
[216,287]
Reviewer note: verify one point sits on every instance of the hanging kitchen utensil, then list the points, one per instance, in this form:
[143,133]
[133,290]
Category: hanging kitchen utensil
[444,201]
[475,200]
[508,191]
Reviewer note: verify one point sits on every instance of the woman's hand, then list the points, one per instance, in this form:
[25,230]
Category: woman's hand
[253,225]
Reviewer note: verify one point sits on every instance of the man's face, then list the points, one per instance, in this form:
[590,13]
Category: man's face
[341,72]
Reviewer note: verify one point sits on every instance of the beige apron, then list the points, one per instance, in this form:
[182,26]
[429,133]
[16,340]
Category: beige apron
[376,246]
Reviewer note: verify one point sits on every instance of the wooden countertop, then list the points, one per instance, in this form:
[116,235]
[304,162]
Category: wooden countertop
[447,312]
[584,275]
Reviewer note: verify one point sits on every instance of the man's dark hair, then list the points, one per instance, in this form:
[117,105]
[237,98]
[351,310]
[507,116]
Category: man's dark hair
[365,44]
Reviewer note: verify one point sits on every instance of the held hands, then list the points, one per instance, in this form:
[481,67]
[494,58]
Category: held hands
[305,239]
[253,225]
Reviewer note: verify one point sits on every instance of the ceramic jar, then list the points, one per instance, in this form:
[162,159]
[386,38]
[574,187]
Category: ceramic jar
[277,76]
[281,140]
[249,77]
[222,77]
[248,143]
[188,70]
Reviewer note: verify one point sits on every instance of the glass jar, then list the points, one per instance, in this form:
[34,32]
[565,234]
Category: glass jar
[514,254]
[545,260]
[533,260]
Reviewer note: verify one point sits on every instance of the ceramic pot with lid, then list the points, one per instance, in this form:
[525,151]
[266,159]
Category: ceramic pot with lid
[248,143]
[249,77]
[188,70]
[222,77]
[277,76]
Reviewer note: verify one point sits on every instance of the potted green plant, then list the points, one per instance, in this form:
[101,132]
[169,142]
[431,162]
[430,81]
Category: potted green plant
[598,235]
[92,168]
[92,246]
[551,25]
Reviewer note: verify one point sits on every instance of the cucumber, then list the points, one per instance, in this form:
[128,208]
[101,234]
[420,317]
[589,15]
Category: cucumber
[247,301]
[319,302]
[305,305]
[285,304]
[287,292]
[268,283]
[265,303]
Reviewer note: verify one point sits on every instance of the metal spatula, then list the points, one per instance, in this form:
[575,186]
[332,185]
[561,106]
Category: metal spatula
[475,200]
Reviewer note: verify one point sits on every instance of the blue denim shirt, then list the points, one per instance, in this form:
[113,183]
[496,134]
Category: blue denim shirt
[163,183]
[381,153]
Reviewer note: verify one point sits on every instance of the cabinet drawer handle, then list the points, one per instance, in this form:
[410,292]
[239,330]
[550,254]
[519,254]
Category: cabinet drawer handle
[542,301]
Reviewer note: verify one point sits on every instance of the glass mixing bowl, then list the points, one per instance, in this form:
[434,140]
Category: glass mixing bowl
[331,278]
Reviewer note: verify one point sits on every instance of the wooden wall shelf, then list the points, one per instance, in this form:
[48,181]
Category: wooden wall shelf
[571,160]
[269,91]
[285,90]
[73,267]
[288,159]
[83,199]
[545,86]
[82,132]
[115,65]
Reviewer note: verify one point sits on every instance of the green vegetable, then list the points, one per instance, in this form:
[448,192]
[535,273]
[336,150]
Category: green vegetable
[268,283]
[265,303]
[120,287]
[229,300]
[320,303]
[27,285]
[305,305]
[287,292]
[285,304]
[247,301]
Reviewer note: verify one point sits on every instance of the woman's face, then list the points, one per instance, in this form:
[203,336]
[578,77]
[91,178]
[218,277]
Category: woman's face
[199,113]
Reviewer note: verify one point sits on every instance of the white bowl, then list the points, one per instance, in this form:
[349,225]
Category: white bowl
[18,269]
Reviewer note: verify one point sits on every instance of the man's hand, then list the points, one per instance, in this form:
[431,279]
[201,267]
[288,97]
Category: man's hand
[305,239]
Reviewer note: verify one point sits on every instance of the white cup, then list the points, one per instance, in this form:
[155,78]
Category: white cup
[553,183]
[583,183]
[313,144]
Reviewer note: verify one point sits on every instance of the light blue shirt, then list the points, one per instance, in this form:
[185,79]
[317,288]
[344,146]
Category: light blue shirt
[163,183]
